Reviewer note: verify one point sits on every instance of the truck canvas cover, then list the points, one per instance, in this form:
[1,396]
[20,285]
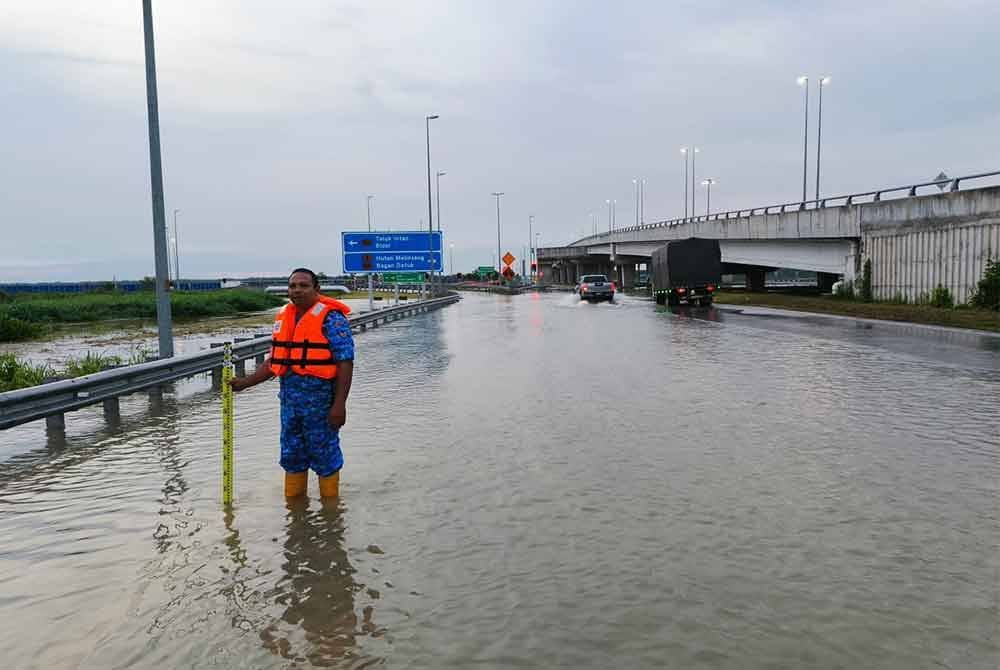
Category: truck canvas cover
[691,262]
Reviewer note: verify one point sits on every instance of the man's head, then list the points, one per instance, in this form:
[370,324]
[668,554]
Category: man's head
[303,287]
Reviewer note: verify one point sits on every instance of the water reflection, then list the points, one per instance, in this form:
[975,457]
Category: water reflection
[319,624]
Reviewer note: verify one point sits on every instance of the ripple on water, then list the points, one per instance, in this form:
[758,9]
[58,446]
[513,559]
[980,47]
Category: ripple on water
[535,483]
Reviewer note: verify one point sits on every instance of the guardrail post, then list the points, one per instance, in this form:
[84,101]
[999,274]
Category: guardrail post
[112,410]
[241,364]
[55,422]
[216,372]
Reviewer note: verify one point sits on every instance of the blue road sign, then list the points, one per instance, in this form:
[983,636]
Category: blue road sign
[402,251]
[395,241]
[392,261]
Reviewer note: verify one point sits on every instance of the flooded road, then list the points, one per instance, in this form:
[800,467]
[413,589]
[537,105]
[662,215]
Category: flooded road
[535,482]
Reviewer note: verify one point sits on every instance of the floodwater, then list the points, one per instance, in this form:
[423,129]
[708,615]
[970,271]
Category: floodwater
[534,482]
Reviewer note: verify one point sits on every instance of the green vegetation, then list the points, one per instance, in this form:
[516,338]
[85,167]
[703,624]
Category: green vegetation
[27,316]
[987,295]
[960,317]
[941,297]
[15,374]
[91,363]
[865,285]
[16,330]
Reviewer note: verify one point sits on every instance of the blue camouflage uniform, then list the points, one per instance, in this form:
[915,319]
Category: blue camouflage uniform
[307,439]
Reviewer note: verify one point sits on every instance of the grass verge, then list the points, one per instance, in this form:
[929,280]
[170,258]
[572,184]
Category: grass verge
[960,317]
[24,317]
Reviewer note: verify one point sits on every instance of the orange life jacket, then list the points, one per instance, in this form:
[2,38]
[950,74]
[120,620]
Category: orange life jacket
[301,347]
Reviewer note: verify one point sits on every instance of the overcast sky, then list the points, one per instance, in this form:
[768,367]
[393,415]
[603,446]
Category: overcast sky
[278,118]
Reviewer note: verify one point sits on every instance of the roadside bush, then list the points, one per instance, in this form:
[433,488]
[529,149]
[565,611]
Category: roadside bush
[90,364]
[941,297]
[16,374]
[898,299]
[987,295]
[865,285]
[16,330]
[844,290]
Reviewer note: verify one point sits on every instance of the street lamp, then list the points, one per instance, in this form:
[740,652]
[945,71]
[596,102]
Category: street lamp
[497,194]
[438,179]
[708,198]
[369,203]
[177,264]
[823,81]
[804,82]
[684,150]
[430,208]
[635,183]
[537,264]
[451,257]
[531,249]
[694,154]
[642,201]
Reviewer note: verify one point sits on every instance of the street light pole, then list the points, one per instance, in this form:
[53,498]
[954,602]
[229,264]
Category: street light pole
[451,257]
[177,261]
[531,249]
[642,202]
[430,208]
[823,81]
[164,322]
[708,198]
[497,195]
[538,265]
[635,184]
[684,150]
[694,155]
[439,174]
[804,81]
[371,279]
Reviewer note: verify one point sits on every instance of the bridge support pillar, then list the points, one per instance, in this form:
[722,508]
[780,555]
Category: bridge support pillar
[627,274]
[755,280]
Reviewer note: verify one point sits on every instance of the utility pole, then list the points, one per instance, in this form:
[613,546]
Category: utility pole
[164,321]
[430,207]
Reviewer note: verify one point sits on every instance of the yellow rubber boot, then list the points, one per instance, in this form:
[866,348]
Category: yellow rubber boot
[329,487]
[296,484]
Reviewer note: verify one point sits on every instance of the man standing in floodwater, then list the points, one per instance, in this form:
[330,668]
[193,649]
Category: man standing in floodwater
[312,352]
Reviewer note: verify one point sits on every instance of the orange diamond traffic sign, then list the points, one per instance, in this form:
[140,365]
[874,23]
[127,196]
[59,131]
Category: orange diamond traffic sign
[508,258]
[508,273]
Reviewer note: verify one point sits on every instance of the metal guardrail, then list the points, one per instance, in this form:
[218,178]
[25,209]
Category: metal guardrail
[801,205]
[51,401]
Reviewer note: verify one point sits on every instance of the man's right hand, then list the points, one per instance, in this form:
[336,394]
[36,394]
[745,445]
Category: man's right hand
[240,383]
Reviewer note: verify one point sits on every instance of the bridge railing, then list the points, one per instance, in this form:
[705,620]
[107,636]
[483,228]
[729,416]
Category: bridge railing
[51,401]
[951,184]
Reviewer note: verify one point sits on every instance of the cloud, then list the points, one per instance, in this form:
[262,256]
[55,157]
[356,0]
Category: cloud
[278,119]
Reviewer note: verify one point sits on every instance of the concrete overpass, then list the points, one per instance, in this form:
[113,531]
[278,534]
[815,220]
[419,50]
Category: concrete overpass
[914,241]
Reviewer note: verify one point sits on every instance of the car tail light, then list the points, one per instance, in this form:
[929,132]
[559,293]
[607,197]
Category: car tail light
[681,289]
[711,287]
[583,288]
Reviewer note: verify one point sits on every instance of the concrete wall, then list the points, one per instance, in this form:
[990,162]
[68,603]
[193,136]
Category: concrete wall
[918,243]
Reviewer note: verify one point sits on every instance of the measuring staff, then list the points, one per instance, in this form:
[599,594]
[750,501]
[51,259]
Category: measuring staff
[312,352]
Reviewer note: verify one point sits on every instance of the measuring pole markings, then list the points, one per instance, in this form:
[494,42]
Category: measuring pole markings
[227,424]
